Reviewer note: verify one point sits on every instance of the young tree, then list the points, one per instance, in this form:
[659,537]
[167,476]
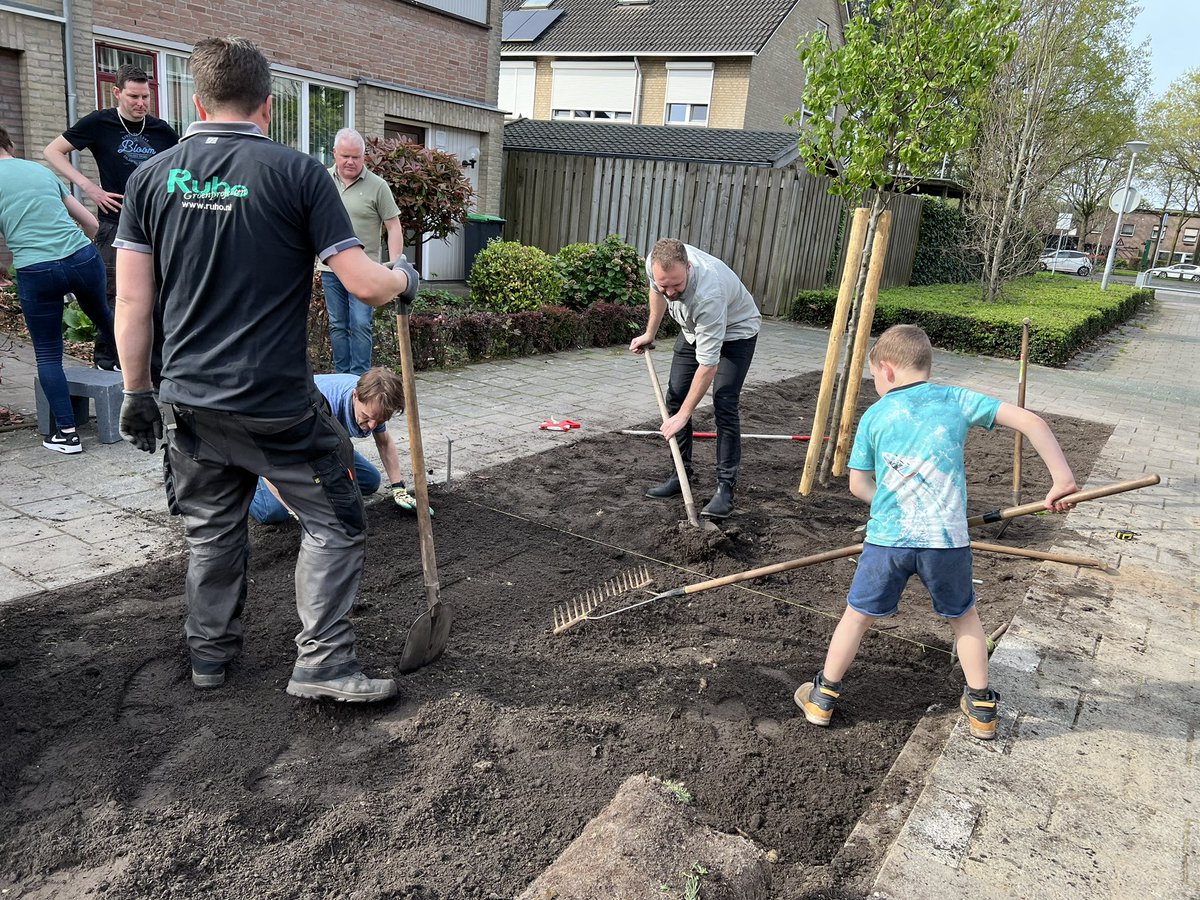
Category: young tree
[1068,94]
[1172,127]
[910,79]
[430,188]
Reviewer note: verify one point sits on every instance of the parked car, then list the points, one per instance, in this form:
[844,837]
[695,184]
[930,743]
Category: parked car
[1183,271]
[1066,261]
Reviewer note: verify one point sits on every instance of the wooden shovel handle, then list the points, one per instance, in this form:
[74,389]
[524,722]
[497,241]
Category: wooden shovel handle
[999,515]
[417,450]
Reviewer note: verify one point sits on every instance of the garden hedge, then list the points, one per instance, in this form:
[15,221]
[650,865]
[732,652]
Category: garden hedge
[1066,315]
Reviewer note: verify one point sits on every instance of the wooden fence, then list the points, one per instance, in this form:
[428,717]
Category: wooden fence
[777,228]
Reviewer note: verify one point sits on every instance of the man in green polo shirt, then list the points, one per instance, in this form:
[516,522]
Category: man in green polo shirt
[372,208]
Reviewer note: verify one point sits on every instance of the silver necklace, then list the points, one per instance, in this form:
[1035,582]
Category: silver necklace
[121,119]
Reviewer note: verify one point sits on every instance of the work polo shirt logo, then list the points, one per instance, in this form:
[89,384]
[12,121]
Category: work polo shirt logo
[201,195]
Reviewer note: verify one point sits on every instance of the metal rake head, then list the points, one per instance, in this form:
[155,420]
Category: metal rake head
[579,608]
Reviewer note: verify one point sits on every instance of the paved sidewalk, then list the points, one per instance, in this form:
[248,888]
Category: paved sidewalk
[1092,788]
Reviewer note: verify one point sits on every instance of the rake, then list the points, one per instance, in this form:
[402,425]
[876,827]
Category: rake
[580,608]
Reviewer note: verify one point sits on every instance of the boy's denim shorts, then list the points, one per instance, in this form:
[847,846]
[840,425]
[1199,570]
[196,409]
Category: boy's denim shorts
[884,571]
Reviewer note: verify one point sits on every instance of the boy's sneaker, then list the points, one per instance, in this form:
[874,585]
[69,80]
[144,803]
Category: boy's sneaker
[817,699]
[980,713]
[63,443]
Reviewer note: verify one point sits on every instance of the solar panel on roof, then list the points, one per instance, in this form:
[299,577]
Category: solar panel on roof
[527,24]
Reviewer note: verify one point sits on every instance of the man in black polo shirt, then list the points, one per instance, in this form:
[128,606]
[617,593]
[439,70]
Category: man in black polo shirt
[121,138]
[222,231]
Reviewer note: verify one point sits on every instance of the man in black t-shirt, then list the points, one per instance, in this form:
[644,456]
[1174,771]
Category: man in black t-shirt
[121,139]
[220,233]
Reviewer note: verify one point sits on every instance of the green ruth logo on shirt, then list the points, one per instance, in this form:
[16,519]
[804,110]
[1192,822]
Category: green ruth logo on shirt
[181,181]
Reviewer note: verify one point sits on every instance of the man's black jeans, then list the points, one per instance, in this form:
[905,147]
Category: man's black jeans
[726,390]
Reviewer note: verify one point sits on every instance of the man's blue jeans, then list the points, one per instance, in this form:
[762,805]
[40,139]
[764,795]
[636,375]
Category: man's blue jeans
[350,332]
[40,288]
[266,510]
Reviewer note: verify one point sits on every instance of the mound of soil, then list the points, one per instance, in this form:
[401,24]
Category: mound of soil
[118,779]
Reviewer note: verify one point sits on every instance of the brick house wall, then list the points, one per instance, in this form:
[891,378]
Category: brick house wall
[400,43]
[34,105]
[776,75]
[1178,244]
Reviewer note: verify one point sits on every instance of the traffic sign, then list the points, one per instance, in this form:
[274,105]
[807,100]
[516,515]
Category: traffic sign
[1129,199]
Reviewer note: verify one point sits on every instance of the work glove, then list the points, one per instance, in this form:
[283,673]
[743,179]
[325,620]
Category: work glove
[405,300]
[404,499]
[141,422]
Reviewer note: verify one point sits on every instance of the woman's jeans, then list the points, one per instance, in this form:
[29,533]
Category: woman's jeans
[350,333]
[40,288]
[267,510]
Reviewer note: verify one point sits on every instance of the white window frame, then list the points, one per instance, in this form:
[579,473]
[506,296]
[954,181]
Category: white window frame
[688,99]
[597,106]
[471,10]
[161,50]
[517,69]
[1127,229]
[1189,234]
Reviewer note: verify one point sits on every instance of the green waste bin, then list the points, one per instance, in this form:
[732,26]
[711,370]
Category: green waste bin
[479,229]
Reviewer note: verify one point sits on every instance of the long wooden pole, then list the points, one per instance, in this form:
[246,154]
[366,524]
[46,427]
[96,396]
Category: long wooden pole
[862,337]
[854,549]
[1085,561]
[417,451]
[1021,380]
[854,248]
[689,502]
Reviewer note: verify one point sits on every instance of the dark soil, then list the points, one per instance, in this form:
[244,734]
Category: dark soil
[118,779]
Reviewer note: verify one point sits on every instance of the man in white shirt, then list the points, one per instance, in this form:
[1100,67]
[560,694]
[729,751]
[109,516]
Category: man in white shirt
[718,329]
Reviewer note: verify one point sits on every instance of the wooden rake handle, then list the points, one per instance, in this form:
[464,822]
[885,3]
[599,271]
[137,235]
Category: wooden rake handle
[999,515]
[680,470]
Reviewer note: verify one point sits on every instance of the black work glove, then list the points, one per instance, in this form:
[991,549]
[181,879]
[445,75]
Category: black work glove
[141,422]
[405,300]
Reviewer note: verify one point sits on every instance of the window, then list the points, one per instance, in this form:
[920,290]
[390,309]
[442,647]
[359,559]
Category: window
[593,90]
[516,88]
[1127,229]
[1189,235]
[305,114]
[110,58]
[475,10]
[823,27]
[1154,232]
[689,90]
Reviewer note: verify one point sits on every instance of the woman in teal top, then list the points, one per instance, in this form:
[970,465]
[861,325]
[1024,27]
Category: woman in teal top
[52,258]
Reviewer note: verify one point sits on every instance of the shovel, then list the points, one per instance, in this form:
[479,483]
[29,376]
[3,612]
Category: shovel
[427,637]
[680,471]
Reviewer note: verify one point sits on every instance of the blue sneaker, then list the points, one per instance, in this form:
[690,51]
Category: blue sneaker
[981,714]
[817,699]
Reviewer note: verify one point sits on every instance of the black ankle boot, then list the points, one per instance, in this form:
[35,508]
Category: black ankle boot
[721,505]
[669,488]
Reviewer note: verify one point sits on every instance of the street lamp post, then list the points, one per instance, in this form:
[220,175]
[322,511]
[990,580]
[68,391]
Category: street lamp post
[1134,148]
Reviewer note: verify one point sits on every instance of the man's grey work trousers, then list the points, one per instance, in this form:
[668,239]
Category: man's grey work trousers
[213,463]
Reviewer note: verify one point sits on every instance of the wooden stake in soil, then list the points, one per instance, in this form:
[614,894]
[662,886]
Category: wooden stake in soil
[862,338]
[1022,374]
[858,237]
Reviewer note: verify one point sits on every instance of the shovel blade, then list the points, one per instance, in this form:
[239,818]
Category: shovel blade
[426,638]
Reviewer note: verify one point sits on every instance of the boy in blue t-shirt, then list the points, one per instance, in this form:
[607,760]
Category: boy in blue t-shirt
[907,462]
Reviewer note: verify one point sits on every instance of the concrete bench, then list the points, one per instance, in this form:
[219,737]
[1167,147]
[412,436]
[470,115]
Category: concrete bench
[105,388]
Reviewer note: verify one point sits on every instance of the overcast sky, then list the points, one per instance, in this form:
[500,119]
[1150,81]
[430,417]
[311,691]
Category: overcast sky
[1170,26]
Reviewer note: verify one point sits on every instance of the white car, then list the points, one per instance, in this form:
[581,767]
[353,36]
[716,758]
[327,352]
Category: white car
[1182,271]
[1066,261]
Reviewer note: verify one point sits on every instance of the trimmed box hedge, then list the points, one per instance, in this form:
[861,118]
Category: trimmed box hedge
[1065,315]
